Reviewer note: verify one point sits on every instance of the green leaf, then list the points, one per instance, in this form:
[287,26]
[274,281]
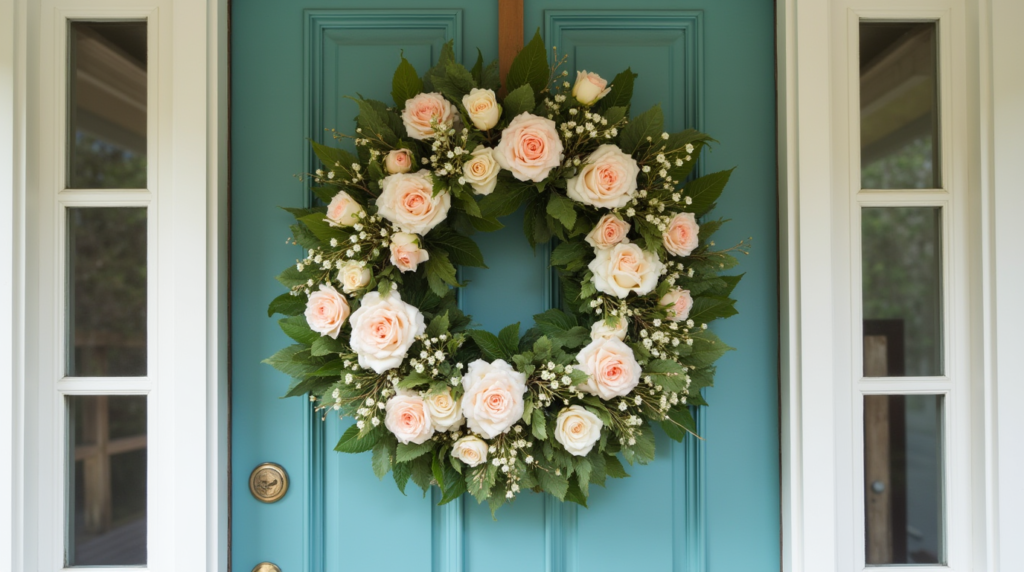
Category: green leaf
[539,424]
[636,132]
[440,273]
[332,157]
[554,319]
[462,250]
[518,101]
[438,325]
[381,459]
[300,386]
[706,190]
[325,345]
[569,252]
[322,229]
[290,361]
[421,473]
[707,348]
[509,339]
[557,485]
[455,486]
[455,82]
[406,84]
[409,451]
[374,123]
[488,224]
[615,114]
[447,55]
[489,344]
[614,467]
[413,380]
[530,66]
[679,423]
[351,442]
[707,308]
[480,479]
[535,223]
[667,373]
[562,209]
[401,473]
[438,472]
[286,304]
[478,67]
[622,91]
[506,198]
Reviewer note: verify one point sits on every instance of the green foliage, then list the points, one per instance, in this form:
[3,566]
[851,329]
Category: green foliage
[406,84]
[520,100]
[530,67]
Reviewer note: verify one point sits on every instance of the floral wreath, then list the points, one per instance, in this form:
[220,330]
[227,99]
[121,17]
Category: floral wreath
[372,307]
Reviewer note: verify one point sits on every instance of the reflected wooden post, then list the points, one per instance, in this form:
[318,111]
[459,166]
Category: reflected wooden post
[877,480]
[99,504]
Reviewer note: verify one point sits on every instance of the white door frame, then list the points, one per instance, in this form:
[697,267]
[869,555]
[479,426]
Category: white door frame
[809,432]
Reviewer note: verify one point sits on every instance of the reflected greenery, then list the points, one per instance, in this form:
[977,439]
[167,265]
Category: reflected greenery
[910,167]
[98,164]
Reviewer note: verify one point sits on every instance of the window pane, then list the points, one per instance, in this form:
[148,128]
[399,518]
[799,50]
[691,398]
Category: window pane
[107,105]
[106,292]
[902,268]
[899,105]
[107,480]
[903,479]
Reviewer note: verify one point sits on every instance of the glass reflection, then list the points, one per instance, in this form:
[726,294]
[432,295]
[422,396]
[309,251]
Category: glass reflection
[899,106]
[107,105]
[107,465]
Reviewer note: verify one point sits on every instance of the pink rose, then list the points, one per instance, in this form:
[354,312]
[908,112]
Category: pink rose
[612,369]
[353,275]
[471,450]
[625,268]
[383,329]
[681,238]
[578,430]
[408,201]
[681,303]
[398,161]
[607,180]
[343,210]
[589,87]
[424,110]
[406,253]
[608,232]
[482,108]
[326,311]
[408,418]
[529,148]
[493,401]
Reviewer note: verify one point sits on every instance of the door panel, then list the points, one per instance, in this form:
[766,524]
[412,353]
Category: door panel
[711,67]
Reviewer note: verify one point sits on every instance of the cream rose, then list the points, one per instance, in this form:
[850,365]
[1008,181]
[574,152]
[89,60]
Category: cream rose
[353,276]
[589,87]
[406,253]
[420,111]
[408,201]
[383,328]
[398,161]
[445,412]
[326,311]
[681,238]
[481,171]
[471,450]
[577,430]
[607,180]
[681,303]
[611,368]
[493,401]
[343,210]
[602,330]
[407,416]
[482,108]
[529,148]
[608,232]
[625,268]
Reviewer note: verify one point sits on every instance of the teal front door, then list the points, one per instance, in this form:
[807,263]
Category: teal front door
[709,505]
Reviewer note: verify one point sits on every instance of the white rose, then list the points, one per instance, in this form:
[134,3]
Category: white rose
[625,268]
[682,236]
[482,108]
[408,201]
[602,330]
[493,401]
[589,87]
[383,328]
[607,180]
[408,418]
[471,450]
[445,412]
[422,110]
[398,161]
[577,430]
[608,232]
[406,253]
[343,210]
[611,368]
[529,147]
[353,276]
[326,311]
[481,171]
[681,303]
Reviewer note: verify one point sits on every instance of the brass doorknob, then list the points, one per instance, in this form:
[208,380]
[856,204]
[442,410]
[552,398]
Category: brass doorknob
[268,482]
[266,567]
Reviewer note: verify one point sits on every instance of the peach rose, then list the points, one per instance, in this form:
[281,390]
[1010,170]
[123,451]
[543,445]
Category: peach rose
[408,418]
[471,450]
[577,430]
[326,311]
[608,232]
[408,201]
[681,303]
[423,109]
[383,328]
[406,253]
[602,330]
[493,401]
[589,87]
[343,210]
[607,180]
[529,148]
[681,238]
[481,171]
[398,161]
[482,108]
[612,369]
[353,276]
[445,411]
[625,268]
